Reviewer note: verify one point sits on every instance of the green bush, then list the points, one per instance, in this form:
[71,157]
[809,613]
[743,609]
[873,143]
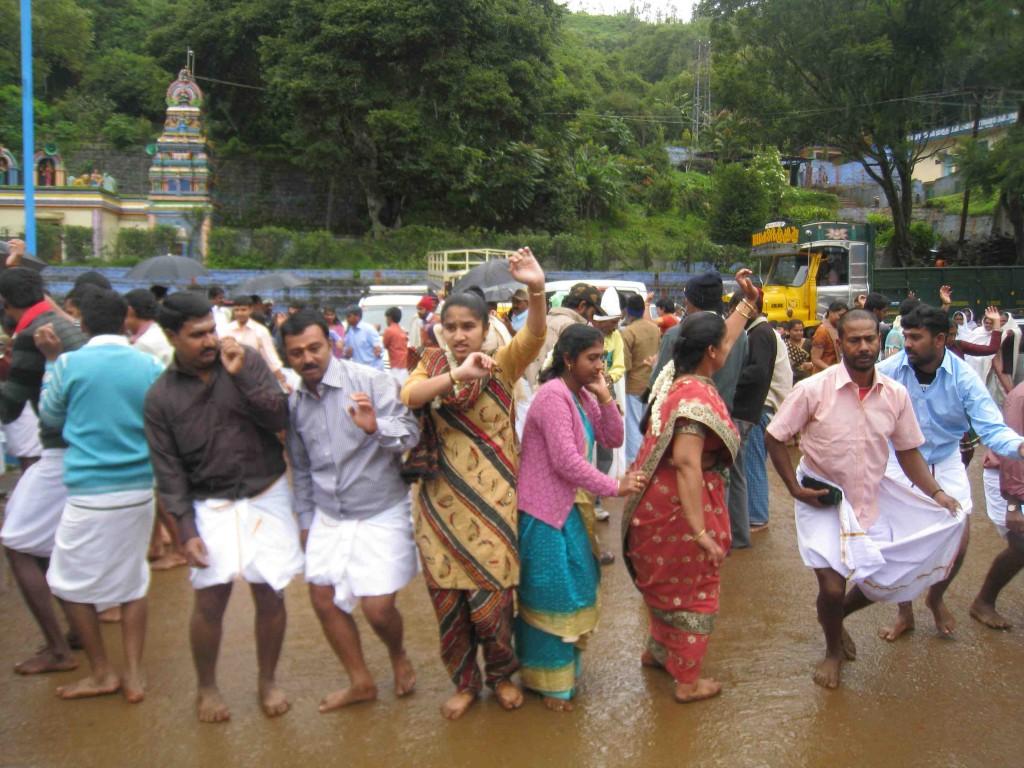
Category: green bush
[922,237]
[660,194]
[139,244]
[739,204]
[48,241]
[77,243]
[806,205]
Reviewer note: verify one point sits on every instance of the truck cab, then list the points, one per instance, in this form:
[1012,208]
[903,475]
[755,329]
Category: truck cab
[812,266]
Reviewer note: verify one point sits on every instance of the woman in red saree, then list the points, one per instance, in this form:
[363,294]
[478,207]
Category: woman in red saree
[676,533]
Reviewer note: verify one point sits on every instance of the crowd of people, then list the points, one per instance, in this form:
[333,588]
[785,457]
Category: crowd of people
[264,449]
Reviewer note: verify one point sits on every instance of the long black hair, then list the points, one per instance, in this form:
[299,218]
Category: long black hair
[696,334]
[574,341]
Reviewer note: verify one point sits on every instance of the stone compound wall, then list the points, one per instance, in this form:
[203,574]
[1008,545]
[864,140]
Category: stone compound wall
[246,191]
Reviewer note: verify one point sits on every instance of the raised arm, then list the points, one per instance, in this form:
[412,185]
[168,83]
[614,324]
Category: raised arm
[744,312]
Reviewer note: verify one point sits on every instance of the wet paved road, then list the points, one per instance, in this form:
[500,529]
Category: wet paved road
[922,702]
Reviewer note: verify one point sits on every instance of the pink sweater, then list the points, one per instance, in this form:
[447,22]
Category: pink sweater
[553,462]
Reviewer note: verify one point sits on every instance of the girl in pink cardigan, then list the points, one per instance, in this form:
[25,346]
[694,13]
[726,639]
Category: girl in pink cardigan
[559,573]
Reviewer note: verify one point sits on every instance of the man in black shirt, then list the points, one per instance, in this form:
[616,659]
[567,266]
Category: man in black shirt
[213,421]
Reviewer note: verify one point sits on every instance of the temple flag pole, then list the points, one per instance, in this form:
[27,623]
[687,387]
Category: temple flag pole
[28,138]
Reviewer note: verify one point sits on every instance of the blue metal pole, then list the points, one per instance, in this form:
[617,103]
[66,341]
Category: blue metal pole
[28,138]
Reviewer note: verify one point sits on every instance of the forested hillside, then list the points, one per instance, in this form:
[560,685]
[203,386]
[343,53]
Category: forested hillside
[458,122]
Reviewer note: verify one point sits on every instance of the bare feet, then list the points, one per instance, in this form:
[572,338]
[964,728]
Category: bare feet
[704,688]
[355,694]
[557,705]
[987,614]
[272,699]
[111,615]
[904,623]
[944,621]
[91,686]
[849,647]
[457,705]
[133,686]
[210,706]
[45,661]
[168,561]
[509,695]
[405,675]
[827,673]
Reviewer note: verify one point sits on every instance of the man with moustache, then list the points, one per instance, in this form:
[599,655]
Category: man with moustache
[347,436]
[212,423]
[890,545]
[948,399]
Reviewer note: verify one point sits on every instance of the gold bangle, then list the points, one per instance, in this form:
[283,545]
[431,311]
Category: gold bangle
[536,293]
[605,402]
[703,531]
[451,375]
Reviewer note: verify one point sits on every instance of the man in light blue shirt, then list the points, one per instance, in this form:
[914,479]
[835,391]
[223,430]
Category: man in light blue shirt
[948,399]
[362,342]
[347,433]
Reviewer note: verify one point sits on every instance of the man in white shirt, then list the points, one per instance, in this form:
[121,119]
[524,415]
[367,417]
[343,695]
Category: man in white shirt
[143,331]
[254,335]
[221,312]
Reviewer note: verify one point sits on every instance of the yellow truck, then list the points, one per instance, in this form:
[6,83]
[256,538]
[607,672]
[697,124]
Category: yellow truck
[811,266]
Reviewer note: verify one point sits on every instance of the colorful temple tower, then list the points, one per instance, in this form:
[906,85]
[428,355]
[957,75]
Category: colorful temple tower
[179,178]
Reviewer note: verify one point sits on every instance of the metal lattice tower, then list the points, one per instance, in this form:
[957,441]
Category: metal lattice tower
[700,117]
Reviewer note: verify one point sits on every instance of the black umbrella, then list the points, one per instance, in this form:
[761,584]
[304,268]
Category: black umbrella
[26,260]
[271,281]
[493,278]
[166,269]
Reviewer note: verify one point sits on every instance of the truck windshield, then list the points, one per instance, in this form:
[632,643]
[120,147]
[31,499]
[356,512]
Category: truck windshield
[789,270]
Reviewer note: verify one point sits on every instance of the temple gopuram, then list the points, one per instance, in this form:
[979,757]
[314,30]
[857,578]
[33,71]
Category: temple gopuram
[178,194]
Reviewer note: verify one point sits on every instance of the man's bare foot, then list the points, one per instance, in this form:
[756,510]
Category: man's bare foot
[91,686]
[354,694]
[167,562]
[849,647]
[944,621]
[457,705]
[987,614]
[272,699]
[704,688]
[827,673]
[45,661]
[904,623]
[405,675]
[509,695]
[210,706]
[111,615]
[557,705]
[133,686]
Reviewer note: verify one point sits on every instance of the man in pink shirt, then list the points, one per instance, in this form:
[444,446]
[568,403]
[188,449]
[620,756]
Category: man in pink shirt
[1004,495]
[847,416]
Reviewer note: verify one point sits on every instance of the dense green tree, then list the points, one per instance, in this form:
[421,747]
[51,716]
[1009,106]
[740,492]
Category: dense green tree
[739,204]
[392,92]
[866,76]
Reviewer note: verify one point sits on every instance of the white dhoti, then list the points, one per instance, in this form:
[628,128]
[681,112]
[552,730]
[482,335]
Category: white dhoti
[362,558]
[99,555]
[910,546]
[256,539]
[22,435]
[34,508]
[995,504]
[401,375]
